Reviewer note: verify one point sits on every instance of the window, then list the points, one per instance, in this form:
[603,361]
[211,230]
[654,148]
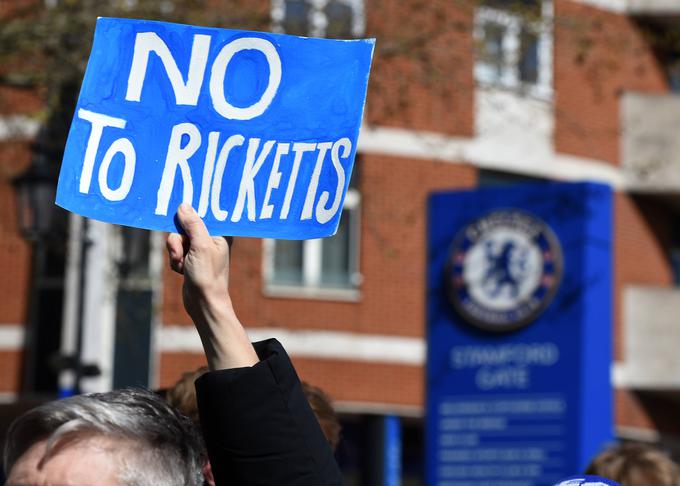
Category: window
[325,267]
[341,19]
[514,43]
[495,178]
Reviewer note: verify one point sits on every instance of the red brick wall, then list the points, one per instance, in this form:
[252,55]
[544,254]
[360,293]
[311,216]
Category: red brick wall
[647,411]
[14,252]
[365,382]
[10,371]
[14,101]
[598,55]
[173,365]
[422,69]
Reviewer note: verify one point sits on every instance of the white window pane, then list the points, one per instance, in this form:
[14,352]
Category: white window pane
[673,70]
[135,253]
[528,57]
[491,59]
[339,20]
[335,256]
[296,20]
[288,263]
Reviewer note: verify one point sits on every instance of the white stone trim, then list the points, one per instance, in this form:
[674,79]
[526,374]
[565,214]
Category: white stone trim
[623,379]
[376,408]
[313,293]
[177,339]
[435,146]
[70,314]
[12,337]
[637,434]
[156,266]
[18,127]
[8,397]
[348,346]
[618,375]
[635,6]
[99,305]
[617,6]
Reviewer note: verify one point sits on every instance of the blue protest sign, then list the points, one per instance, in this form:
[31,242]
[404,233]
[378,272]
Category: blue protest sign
[257,131]
[519,333]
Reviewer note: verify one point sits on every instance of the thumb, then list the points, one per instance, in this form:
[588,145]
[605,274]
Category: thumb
[193,226]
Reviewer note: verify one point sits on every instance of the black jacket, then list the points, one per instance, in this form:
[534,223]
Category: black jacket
[259,428]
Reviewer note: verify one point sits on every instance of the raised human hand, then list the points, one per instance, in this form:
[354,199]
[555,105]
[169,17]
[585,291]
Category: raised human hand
[204,262]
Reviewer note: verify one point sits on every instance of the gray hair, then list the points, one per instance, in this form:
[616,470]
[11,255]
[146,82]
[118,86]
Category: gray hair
[170,449]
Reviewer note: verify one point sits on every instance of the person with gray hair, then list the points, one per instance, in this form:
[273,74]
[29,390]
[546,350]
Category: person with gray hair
[258,427]
[130,437]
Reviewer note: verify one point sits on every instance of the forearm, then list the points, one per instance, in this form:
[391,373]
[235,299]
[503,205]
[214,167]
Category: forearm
[225,342]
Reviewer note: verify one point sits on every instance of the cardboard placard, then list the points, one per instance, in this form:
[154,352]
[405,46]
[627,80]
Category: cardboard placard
[257,131]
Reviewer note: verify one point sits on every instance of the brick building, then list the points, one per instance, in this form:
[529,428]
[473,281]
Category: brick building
[462,94]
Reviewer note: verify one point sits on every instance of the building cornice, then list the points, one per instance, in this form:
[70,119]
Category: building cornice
[415,144]
[635,7]
[330,345]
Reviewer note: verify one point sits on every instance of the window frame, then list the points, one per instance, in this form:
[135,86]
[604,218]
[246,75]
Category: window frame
[513,25]
[317,18]
[312,287]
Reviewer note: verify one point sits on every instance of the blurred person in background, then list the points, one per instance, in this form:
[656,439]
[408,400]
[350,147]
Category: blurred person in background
[322,406]
[182,395]
[258,426]
[635,464]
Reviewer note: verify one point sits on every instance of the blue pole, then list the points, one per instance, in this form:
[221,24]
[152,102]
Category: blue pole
[392,451]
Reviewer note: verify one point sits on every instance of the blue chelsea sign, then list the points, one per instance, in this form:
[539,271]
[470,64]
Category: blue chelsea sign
[519,333]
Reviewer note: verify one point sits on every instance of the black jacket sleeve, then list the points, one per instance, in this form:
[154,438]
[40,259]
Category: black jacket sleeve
[259,428]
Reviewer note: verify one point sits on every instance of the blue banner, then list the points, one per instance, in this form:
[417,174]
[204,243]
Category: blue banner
[519,333]
[257,131]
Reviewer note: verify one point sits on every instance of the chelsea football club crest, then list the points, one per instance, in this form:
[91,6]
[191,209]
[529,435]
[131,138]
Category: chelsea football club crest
[503,270]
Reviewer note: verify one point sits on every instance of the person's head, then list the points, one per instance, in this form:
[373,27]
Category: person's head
[182,395]
[633,464]
[325,413]
[128,437]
